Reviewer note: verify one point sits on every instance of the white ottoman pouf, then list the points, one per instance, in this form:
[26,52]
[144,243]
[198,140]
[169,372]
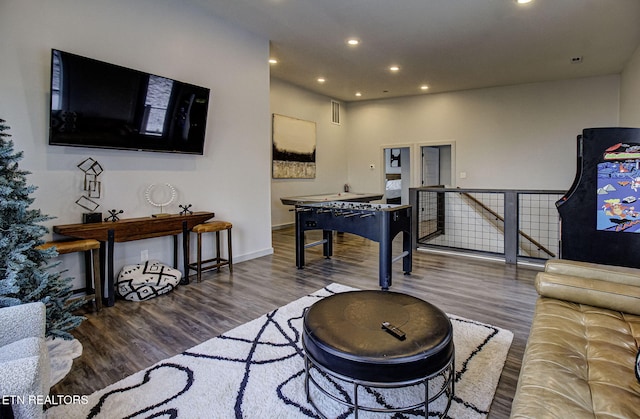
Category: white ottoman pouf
[146,281]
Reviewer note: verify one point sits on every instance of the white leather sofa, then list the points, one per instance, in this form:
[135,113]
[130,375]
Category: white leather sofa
[24,360]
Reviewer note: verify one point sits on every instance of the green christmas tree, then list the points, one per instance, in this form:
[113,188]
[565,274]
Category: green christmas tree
[25,273]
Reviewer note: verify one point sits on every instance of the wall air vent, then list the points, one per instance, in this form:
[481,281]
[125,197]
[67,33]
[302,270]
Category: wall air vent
[335,112]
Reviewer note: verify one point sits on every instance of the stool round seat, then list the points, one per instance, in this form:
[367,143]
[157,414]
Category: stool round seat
[71,246]
[212,226]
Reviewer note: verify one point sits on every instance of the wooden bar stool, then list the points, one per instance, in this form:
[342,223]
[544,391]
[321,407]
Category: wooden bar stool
[91,249]
[216,262]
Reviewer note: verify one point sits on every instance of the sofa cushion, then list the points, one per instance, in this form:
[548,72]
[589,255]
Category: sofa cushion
[610,273]
[579,362]
[22,348]
[25,372]
[21,321]
[594,292]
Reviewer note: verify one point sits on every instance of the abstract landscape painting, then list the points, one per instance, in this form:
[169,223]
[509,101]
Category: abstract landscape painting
[294,148]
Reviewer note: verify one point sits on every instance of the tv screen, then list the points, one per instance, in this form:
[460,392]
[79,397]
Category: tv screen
[97,104]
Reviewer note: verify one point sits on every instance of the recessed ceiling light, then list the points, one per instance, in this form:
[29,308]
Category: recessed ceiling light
[273,61]
[424,87]
[523,1]
[358,94]
[394,68]
[353,41]
[321,80]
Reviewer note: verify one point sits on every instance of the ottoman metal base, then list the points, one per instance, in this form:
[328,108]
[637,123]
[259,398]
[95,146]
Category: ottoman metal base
[353,361]
[444,387]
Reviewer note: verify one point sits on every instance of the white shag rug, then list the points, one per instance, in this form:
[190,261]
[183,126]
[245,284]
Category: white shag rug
[61,355]
[257,371]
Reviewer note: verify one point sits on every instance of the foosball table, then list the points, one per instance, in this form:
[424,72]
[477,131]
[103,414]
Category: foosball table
[377,222]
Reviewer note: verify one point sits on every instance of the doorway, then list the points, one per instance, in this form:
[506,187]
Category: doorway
[436,165]
[397,174]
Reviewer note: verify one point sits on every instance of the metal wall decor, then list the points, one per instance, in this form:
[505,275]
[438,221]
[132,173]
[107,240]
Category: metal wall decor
[92,188]
[87,203]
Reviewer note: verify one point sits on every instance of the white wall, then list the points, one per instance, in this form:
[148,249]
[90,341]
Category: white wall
[521,136]
[162,37]
[630,93]
[331,143]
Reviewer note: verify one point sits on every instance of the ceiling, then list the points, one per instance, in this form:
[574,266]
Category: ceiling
[448,45]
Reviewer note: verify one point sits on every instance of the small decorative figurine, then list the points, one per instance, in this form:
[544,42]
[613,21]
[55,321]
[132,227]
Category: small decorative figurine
[185,209]
[113,215]
[160,195]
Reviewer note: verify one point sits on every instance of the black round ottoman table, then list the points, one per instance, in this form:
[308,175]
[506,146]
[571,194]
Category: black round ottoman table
[366,344]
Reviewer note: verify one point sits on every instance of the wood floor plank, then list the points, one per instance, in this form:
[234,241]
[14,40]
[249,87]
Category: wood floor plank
[130,336]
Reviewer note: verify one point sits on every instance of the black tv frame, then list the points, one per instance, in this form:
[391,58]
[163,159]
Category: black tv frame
[96,104]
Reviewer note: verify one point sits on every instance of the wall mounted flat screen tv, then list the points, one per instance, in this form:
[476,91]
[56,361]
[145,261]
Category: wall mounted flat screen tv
[102,105]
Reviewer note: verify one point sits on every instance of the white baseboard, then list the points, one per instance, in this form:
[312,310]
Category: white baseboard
[253,255]
[282,226]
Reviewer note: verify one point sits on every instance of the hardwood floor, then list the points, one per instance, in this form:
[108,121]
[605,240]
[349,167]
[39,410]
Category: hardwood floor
[130,336]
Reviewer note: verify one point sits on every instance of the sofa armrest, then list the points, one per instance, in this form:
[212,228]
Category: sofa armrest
[25,371]
[594,292]
[619,274]
[22,321]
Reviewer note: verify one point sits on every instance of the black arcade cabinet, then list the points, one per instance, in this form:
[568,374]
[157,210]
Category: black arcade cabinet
[600,214]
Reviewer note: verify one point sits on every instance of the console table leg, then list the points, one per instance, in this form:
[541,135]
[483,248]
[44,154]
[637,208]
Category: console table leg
[175,251]
[103,274]
[185,253]
[111,291]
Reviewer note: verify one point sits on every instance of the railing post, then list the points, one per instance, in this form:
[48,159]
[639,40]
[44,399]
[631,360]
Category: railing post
[511,227]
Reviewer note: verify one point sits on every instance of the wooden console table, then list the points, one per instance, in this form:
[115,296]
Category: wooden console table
[129,229]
